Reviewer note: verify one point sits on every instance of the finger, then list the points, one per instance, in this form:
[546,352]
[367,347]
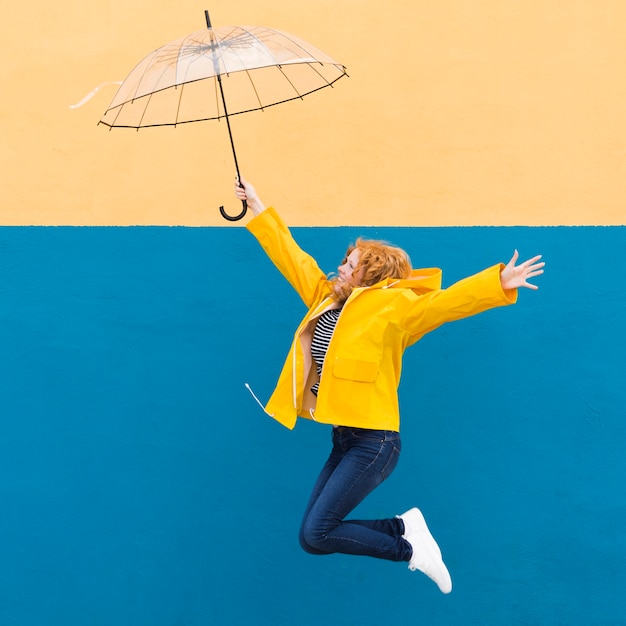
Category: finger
[531,261]
[534,268]
[534,273]
[514,258]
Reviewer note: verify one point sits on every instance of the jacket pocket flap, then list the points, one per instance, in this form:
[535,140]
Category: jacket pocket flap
[353,369]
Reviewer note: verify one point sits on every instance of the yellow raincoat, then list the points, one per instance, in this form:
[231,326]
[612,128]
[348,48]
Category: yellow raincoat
[362,367]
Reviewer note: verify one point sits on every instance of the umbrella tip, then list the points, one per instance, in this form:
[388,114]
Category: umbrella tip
[207,18]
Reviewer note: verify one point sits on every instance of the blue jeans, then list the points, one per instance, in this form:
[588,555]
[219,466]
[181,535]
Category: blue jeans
[359,461]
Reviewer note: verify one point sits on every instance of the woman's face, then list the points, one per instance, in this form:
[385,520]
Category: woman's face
[346,274]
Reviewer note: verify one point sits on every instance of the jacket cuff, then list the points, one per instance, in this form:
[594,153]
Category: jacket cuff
[509,294]
[263,220]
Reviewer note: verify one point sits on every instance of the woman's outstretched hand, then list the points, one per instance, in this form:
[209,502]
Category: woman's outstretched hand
[245,191]
[514,276]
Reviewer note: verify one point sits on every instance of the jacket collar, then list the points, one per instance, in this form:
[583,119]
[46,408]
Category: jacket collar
[420,281]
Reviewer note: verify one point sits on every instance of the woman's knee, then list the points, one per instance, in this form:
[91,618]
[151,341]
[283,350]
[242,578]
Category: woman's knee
[311,540]
[308,547]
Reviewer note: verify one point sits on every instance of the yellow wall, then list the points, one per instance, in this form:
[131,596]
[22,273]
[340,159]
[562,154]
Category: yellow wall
[456,112]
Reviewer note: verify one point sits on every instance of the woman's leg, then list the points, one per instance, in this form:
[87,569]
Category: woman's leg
[360,460]
[333,460]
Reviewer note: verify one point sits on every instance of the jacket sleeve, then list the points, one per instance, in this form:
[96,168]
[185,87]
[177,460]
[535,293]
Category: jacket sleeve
[298,267]
[470,296]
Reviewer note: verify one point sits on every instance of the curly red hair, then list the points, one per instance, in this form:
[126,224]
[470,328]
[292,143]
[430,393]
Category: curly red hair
[379,260]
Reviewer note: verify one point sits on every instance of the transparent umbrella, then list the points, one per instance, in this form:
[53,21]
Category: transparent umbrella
[216,73]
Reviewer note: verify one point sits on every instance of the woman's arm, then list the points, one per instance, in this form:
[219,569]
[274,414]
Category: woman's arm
[298,267]
[493,287]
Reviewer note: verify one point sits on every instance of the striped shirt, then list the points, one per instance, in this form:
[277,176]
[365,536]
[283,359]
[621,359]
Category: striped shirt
[321,340]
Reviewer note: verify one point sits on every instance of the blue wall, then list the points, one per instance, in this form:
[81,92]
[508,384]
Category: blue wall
[140,483]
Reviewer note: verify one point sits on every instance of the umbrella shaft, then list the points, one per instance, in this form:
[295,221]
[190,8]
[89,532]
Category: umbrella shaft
[230,134]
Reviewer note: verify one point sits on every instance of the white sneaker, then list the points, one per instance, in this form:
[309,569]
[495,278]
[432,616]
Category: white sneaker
[426,553]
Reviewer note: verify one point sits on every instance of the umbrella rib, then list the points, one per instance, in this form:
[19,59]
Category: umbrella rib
[321,76]
[143,113]
[256,93]
[180,98]
[119,111]
[298,94]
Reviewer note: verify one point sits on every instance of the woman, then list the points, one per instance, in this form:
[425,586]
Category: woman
[344,369]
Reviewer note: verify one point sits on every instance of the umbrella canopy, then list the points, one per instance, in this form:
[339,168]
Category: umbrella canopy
[259,67]
[216,73]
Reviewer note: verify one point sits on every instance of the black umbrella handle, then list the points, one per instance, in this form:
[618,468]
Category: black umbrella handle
[235,218]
